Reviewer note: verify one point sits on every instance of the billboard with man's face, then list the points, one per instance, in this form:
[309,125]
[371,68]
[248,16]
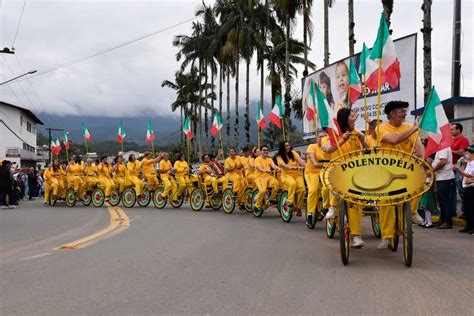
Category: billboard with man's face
[333,81]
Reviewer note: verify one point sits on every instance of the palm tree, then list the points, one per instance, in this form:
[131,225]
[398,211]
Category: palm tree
[307,31]
[350,5]
[426,30]
[388,9]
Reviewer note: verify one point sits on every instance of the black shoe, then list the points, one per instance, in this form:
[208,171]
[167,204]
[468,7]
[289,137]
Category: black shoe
[427,226]
[464,230]
[242,207]
[471,232]
[445,226]
[309,220]
[438,223]
[324,211]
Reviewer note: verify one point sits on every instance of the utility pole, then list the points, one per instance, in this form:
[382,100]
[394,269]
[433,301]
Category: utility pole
[49,137]
[456,63]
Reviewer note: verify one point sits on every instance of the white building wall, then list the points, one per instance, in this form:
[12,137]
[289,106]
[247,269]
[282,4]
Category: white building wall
[465,110]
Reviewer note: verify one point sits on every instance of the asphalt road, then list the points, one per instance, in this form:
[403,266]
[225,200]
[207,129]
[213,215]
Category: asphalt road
[177,261]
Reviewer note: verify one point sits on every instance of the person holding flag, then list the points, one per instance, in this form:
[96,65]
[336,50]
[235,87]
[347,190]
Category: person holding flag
[149,171]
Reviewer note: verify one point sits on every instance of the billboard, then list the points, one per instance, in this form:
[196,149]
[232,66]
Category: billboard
[333,81]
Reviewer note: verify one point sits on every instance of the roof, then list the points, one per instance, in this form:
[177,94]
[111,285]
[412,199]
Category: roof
[26,111]
[447,103]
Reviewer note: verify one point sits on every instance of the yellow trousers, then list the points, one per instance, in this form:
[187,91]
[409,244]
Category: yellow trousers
[215,183]
[170,185]
[183,182]
[414,204]
[250,179]
[106,184]
[47,190]
[263,183]
[296,189]
[355,215]
[312,181]
[57,186]
[387,221]
[326,195]
[152,180]
[136,182]
[75,182]
[120,182]
[90,182]
[238,185]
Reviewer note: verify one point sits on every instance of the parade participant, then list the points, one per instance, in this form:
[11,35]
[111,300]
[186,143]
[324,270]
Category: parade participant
[219,170]
[468,186]
[290,162]
[104,170]
[263,176]
[133,176]
[316,157]
[47,184]
[208,174]
[398,135]
[166,169]
[149,171]
[73,176]
[245,160]
[372,133]
[350,140]
[182,174]
[250,172]
[90,174]
[120,172]
[233,168]
[57,175]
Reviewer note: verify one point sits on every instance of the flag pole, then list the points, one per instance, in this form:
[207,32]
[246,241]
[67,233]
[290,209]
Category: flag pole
[258,136]
[378,101]
[315,127]
[85,142]
[337,141]
[349,105]
[153,148]
[121,145]
[221,145]
[67,153]
[414,143]
[365,106]
[282,120]
[188,149]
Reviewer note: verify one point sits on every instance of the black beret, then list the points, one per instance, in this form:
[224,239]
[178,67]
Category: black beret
[392,105]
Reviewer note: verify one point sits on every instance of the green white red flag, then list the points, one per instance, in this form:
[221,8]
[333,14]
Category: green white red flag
[384,49]
[369,68]
[187,128]
[55,146]
[327,117]
[311,110]
[216,124]
[435,122]
[261,121]
[276,114]
[85,132]
[150,134]
[354,83]
[120,133]
[65,140]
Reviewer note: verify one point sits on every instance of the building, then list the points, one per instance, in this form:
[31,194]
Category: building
[18,134]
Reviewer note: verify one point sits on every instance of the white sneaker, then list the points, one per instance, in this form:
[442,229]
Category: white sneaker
[417,219]
[357,242]
[331,212]
[4,207]
[383,244]
[12,207]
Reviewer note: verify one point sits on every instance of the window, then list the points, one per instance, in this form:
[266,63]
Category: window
[21,120]
[28,126]
[34,129]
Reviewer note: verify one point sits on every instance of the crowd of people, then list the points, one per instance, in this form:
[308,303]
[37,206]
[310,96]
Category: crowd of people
[299,174]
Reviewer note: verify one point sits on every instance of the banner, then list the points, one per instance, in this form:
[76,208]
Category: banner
[333,81]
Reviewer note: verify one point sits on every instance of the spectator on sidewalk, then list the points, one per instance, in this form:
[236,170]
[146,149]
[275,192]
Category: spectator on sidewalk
[444,176]
[460,143]
[32,183]
[6,185]
[468,186]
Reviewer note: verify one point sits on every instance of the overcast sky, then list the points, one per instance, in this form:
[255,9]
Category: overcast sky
[126,81]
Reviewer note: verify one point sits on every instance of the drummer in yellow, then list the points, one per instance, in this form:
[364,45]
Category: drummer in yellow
[104,170]
[316,157]
[291,166]
[233,167]
[73,176]
[133,176]
[166,169]
[149,171]
[90,174]
[350,140]
[182,174]
[263,176]
[119,171]
[399,135]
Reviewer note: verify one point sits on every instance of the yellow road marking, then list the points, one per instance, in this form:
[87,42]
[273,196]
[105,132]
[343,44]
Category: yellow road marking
[118,220]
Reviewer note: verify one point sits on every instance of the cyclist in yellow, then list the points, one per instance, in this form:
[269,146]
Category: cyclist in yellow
[166,170]
[133,176]
[233,168]
[316,157]
[90,174]
[291,176]
[57,175]
[182,174]
[149,171]
[350,140]
[209,175]
[263,176]
[47,184]
[74,173]
[104,170]
[120,172]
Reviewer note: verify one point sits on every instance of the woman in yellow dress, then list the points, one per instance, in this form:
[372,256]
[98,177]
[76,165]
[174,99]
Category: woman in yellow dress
[182,174]
[133,176]
[119,171]
[104,170]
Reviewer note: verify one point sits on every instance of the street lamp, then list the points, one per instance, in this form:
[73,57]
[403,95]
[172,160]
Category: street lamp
[27,73]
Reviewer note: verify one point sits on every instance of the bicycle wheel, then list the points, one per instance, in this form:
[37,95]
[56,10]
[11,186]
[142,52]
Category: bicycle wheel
[375,225]
[344,232]
[216,201]
[70,198]
[407,235]
[98,197]
[248,199]
[144,199]
[158,199]
[87,198]
[393,244]
[197,199]
[286,211]
[114,198]
[178,202]
[331,227]
[228,203]
[129,197]
[256,212]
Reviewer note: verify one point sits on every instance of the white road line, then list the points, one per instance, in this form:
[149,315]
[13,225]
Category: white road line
[37,256]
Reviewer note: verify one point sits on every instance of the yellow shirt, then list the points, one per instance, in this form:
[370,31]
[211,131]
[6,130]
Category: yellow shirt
[148,166]
[387,128]
[47,176]
[90,170]
[74,170]
[371,141]
[120,171]
[246,163]
[181,167]
[291,163]
[234,163]
[165,164]
[104,170]
[353,143]
[264,163]
[204,168]
[319,155]
[133,168]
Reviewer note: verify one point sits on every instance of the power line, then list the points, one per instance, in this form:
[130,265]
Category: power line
[75,61]
[19,22]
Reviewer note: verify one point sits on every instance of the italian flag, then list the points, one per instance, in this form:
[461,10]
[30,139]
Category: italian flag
[261,121]
[435,122]
[55,146]
[354,83]
[327,117]
[369,69]
[85,132]
[65,140]
[120,133]
[187,128]
[150,135]
[311,110]
[216,124]
[384,49]
[276,114]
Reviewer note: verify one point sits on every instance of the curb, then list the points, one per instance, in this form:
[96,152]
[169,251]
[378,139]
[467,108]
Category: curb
[456,221]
